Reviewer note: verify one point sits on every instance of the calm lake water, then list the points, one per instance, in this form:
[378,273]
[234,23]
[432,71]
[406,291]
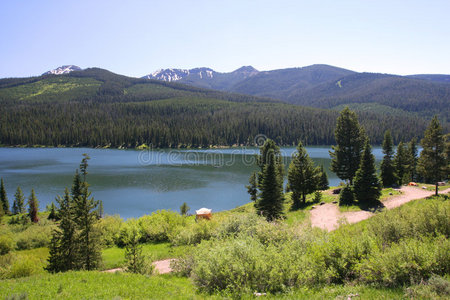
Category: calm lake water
[133,183]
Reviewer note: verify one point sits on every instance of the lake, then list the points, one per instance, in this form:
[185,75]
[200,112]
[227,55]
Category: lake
[133,183]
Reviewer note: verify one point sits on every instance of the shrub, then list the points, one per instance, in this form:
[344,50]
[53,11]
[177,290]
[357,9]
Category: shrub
[407,262]
[193,233]
[34,236]
[160,225]
[6,243]
[110,228]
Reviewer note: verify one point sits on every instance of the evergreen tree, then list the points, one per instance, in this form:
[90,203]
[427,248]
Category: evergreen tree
[266,150]
[4,198]
[33,207]
[388,177]
[346,196]
[2,213]
[85,217]
[135,261]
[100,210]
[412,159]
[401,163]
[63,246]
[323,182]
[432,164]
[271,199]
[52,215]
[303,176]
[252,188]
[367,186]
[350,137]
[184,208]
[19,202]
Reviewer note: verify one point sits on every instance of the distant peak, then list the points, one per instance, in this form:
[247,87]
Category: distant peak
[63,70]
[248,69]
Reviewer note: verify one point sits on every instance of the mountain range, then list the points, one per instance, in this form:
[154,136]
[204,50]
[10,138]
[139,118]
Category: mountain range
[328,87]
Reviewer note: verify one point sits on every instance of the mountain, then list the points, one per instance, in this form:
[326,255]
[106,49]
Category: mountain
[97,108]
[279,84]
[63,70]
[325,86]
[422,97]
[204,77]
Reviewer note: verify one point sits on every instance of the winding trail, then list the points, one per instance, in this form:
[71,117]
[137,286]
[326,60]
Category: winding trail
[328,216]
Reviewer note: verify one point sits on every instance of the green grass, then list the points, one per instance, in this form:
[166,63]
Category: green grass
[114,257]
[384,196]
[432,187]
[97,285]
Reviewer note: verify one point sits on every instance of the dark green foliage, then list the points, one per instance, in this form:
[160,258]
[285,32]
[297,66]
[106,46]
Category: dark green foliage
[346,196]
[184,209]
[412,159]
[367,186]
[76,243]
[303,176]
[19,202]
[63,247]
[53,215]
[387,168]
[401,164]
[432,164]
[323,181]
[33,207]
[270,203]
[100,210]
[252,188]
[86,216]
[350,138]
[4,198]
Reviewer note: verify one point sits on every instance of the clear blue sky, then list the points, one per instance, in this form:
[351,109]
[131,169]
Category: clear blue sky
[137,37]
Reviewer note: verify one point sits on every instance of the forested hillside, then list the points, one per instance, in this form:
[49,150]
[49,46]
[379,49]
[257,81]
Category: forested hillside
[95,107]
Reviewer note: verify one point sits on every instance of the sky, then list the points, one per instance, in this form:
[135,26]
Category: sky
[136,38]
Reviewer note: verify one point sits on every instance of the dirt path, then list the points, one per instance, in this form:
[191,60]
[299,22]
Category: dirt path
[328,216]
[162,266]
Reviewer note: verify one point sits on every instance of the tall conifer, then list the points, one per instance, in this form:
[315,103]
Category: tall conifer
[367,186]
[388,177]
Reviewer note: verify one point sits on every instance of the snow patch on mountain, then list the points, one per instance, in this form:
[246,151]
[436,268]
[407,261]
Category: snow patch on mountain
[63,70]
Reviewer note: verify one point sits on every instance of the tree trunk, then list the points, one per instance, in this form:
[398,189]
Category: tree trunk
[437,188]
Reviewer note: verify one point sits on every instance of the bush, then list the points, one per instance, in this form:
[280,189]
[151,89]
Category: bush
[6,243]
[408,262]
[34,236]
[160,225]
[435,287]
[15,266]
[346,196]
[110,228]
[193,233]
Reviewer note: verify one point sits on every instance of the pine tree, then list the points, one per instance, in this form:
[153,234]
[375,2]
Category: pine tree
[4,198]
[85,217]
[52,215]
[350,137]
[412,159]
[33,209]
[100,210]
[184,208]
[19,199]
[271,199]
[303,176]
[63,246]
[266,150]
[346,196]
[432,164]
[401,162]
[388,177]
[323,184]
[367,186]
[252,188]
[135,261]
[2,213]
